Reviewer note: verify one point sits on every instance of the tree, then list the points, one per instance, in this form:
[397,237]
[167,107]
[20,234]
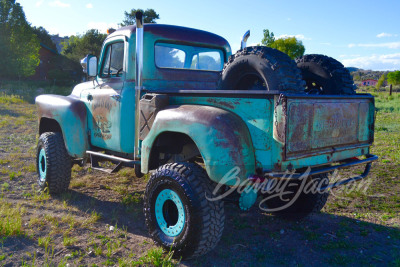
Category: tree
[290,45]
[149,16]
[380,81]
[269,38]
[17,41]
[77,47]
[393,78]
[44,37]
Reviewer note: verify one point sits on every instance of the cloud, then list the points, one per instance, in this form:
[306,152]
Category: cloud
[385,34]
[89,5]
[39,3]
[298,36]
[102,26]
[58,3]
[391,45]
[374,62]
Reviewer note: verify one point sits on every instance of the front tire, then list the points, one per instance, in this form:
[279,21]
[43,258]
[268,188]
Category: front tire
[178,214]
[53,163]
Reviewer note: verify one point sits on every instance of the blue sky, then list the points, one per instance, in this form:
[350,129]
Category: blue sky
[364,34]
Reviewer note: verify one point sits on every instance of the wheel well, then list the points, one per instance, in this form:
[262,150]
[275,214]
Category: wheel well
[173,147]
[49,125]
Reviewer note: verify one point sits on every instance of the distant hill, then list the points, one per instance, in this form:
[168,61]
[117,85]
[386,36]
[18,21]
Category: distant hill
[351,69]
[57,40]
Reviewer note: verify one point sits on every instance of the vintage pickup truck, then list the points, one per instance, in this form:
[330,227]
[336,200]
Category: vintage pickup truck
[174,102]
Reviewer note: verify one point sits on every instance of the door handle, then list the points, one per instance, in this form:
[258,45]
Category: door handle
[89,97]
[116,97]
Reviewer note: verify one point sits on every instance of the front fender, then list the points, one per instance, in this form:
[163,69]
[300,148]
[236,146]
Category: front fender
[70,113]
[222,138]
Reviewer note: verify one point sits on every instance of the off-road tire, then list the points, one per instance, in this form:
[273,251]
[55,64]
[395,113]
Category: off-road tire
[261,68]
[55,174]
[305,204]
[204,219]
[325,75]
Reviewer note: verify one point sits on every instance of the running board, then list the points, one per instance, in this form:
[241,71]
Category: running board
[95,157]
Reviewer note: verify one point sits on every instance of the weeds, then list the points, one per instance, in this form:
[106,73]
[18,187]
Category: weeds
[10,219]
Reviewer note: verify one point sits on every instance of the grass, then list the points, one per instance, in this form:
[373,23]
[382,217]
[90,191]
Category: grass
[81,216]
[11,219]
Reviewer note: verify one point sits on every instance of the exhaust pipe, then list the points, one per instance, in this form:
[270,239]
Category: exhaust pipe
[244,40]
[139,78]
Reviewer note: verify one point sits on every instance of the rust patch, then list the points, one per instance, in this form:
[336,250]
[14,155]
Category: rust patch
[101,109]
[221,103]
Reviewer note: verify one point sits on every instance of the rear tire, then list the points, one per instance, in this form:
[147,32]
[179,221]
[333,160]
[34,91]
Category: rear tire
[261,68]
[305,203]
[53,163]
[325,75]
[177,212]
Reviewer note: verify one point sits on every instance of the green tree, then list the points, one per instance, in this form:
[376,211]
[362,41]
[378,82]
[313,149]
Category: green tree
[380,81]
[393,78]
[290,45]
[77,47]
[149,16]
[44,37]
[17,41]
[268,39]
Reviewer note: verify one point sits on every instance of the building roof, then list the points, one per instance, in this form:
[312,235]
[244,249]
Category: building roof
[48,48]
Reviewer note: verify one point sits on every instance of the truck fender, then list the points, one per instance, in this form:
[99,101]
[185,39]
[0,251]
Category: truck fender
[222,138]
[70,114]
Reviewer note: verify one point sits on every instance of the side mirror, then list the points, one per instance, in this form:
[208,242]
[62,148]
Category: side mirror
[89,65]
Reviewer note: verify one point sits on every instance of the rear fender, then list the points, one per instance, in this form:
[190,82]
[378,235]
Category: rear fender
[70,114]
[222,138]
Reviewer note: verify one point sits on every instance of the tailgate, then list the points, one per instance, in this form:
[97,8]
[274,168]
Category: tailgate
[308,125]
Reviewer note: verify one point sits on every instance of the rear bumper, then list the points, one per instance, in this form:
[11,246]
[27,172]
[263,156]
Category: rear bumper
[368,161]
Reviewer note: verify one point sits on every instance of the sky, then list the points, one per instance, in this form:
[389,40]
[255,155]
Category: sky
[363,34]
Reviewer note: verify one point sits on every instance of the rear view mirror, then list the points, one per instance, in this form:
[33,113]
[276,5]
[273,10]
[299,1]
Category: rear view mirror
[89,65]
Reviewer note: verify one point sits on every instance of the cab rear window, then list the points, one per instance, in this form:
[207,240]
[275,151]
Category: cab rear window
[176,56]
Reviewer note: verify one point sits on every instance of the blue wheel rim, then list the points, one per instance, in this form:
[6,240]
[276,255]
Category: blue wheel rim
[42,165]
[169,201]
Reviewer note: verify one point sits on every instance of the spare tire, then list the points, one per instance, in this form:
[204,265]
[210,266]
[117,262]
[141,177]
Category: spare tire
[261,68]
[325,75]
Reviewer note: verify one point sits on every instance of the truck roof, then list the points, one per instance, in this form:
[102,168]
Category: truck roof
[177,33]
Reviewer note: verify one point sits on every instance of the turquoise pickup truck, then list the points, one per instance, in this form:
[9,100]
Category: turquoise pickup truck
[209,126]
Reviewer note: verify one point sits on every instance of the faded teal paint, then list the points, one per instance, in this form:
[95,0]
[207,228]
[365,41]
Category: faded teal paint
[259,116]
[162,215]
[42,165]
[222,138]
[248,197]
[70,113]
[256,113]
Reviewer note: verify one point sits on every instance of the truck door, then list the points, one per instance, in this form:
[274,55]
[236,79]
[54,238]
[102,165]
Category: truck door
[104,102]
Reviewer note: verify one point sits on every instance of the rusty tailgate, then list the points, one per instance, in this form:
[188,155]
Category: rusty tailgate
[308,126]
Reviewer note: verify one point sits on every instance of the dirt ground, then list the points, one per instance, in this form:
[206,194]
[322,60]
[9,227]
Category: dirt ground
[99,221]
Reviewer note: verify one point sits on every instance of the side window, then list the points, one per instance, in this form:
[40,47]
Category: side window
[169,57]
[113,60]
[207,61]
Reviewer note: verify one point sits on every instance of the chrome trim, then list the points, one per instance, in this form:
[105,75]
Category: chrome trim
[244,39]
[138,78]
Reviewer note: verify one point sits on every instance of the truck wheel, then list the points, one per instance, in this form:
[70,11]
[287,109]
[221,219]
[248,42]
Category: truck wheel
[304,204]
[325,75]
[177,212]
[261,68]
[53,163]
